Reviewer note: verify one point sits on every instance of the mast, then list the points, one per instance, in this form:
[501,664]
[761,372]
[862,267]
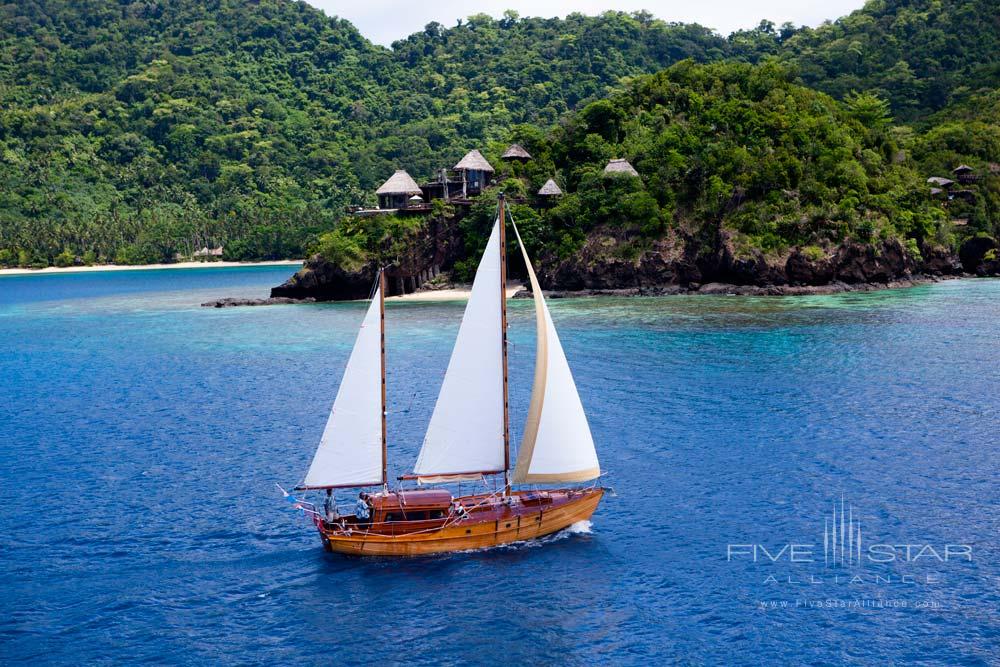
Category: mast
[503,343]
[381,322]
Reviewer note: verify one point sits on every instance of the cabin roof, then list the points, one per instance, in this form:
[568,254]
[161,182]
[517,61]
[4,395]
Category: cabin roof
[962,169]
[550,188]
[940,180]
[515,152]
[413,499]
[400,183]
[620,166]
[936,191]
[474,161]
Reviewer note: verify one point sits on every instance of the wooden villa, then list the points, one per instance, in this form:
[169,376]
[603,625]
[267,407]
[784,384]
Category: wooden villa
[965,174]
[449,185]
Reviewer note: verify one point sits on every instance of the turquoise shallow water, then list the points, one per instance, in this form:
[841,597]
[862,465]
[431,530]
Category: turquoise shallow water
[141,437]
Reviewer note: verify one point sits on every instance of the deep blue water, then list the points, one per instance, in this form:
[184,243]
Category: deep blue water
[141,437]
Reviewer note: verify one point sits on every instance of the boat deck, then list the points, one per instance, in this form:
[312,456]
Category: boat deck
[473,521]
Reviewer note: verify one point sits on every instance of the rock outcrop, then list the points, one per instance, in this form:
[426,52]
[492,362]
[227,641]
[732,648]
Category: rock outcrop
[978,255]
[939,261]
[671,262]
[323,281]
[231,302]
[430,251]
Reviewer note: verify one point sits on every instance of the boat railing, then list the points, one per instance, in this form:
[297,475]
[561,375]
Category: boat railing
[370,528]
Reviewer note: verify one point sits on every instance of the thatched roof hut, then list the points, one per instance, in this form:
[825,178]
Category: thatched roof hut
[474,161]
[400,183]
[550,189]
[516,152]
[620,167]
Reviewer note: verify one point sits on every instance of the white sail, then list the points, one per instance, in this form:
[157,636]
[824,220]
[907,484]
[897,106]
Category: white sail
[557,445]
[465,434]
[350,451]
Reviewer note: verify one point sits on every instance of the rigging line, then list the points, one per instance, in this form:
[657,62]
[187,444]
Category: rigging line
[374,288]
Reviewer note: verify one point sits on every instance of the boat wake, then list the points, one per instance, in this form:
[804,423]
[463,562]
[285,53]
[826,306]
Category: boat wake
[579,528]
[584,527]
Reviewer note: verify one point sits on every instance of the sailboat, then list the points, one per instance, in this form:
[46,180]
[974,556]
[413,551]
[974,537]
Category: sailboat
[467,439]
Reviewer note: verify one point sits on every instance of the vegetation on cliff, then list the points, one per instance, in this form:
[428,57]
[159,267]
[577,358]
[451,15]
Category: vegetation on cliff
[740,148]
[726,152]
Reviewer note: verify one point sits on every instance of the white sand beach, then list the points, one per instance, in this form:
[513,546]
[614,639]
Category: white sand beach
[453,294]
[144,267]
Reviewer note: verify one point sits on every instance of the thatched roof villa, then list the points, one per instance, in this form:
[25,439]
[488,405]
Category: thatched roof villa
[620,167]
[397,190]
[516,152]
[550,189]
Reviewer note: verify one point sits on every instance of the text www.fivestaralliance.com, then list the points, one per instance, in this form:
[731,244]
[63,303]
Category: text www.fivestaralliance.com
[848,603]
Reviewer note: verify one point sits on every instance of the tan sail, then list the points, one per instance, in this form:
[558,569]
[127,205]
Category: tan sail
[557,445]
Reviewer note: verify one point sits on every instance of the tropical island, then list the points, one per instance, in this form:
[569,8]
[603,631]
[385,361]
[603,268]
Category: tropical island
[637,154]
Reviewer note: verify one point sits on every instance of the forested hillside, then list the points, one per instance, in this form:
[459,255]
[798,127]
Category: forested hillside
[136,131]
[133,131]
[920,55]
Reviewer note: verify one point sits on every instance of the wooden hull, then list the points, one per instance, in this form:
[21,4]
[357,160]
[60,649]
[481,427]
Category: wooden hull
[486,526]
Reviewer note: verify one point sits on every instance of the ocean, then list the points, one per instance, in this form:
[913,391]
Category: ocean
[799,480]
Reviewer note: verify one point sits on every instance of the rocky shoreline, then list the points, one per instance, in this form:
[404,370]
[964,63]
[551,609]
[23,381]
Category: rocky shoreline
[729,289]
[674,264]
[709,289]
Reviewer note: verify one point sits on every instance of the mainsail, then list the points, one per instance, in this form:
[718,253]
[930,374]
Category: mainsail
[557,445]
[350,452]
[466,431]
